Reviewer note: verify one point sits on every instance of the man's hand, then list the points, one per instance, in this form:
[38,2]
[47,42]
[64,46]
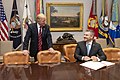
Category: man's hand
[25,52]
[86,58]
[51,50]
[94,58]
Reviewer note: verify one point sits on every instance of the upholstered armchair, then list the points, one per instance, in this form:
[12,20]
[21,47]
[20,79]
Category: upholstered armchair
[49,57]
[112,53]
[69,50]
[15,57]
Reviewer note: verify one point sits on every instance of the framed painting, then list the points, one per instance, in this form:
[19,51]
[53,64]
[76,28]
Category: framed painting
[65,16]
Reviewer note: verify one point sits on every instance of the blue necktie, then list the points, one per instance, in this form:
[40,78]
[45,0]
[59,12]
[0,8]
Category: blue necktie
[88,49]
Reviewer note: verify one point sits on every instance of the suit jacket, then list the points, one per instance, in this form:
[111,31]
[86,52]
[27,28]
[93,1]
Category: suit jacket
[32,35]
[96,50]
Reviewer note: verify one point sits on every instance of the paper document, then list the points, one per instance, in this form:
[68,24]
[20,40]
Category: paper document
[96,65]
[107,63]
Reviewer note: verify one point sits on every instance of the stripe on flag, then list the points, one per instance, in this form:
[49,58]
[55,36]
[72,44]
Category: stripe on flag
[3,24]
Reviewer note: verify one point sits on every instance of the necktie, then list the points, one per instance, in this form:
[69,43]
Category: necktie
[40,40]
[88,49]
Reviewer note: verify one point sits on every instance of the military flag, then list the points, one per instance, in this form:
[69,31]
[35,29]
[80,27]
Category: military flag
[93,19]
[118,27]
[15,27]
[117,31]
[104,22]
[114,21]
[39,7]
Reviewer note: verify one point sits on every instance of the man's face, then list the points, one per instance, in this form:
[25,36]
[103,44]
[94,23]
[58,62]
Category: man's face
[41,21]
[88,36]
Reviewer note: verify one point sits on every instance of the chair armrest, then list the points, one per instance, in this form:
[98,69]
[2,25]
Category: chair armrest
[67,58]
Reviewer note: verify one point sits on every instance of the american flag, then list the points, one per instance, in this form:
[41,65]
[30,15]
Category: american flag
[3,24]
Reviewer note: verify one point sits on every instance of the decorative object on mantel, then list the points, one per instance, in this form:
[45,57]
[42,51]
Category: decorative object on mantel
[66,39]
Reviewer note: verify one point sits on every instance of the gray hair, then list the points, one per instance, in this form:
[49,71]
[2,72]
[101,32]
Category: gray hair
[91,31]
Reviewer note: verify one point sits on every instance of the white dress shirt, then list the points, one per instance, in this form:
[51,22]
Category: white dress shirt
[38,26]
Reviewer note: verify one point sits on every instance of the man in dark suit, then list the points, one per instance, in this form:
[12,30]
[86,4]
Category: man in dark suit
[32,36]
[88,49]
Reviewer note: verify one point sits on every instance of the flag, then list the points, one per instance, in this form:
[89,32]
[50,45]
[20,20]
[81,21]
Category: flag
[117,31]
[114,21]
[39,7]
[15,27]
[104,22]
[27,19]
[3,24]
[118,26]
[93,19]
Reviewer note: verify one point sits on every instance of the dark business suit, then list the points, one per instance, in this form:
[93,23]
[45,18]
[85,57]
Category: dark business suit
[32,35]
[96,50]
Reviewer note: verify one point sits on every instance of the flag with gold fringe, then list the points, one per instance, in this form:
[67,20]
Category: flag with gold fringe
[93,19]
[114,21]
[117,31]
[15,27]
[104,22]
[118,26]
[39,8]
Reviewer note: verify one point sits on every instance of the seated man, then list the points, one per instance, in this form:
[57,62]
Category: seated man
[88,49]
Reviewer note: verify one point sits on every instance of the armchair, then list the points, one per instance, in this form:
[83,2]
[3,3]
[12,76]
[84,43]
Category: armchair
[15,57]
[112,53]
[49,57]
[69,50]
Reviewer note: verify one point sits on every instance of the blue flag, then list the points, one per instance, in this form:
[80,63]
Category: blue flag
[15,26]
[104,22]
[117,35]
[114,22]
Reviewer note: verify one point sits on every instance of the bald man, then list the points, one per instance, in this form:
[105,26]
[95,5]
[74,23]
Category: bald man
[32,36]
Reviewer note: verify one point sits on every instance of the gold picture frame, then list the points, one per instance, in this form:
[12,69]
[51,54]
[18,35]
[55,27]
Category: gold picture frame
[65,16]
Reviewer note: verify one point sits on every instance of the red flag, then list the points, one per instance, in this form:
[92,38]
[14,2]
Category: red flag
[3,24]
[93,19]
[39,7]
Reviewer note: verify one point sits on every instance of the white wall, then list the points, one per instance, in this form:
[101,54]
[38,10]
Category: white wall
[77,35]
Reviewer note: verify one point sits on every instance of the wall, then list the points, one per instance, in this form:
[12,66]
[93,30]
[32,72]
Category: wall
[77,35]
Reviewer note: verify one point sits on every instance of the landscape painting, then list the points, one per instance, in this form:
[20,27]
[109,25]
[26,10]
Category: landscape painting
[65,16]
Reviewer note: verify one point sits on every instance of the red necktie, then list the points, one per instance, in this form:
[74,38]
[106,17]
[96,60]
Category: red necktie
[40,40]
